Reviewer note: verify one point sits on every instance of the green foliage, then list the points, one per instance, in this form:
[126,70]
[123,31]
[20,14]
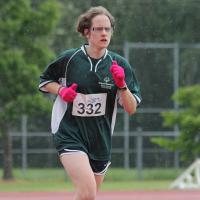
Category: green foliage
[25,45]
[187,118]
[26,28]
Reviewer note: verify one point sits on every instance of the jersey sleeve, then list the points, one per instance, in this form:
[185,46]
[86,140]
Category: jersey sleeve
[131,80]
[52,73]
[55,71]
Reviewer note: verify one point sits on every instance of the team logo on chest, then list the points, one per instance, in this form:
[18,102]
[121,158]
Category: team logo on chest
[106,79]
[106,84]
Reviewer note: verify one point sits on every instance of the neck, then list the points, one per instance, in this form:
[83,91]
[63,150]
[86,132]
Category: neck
[94,52]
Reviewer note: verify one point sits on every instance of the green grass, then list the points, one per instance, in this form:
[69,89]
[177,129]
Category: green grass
[116,179]
[34,186]
[135,185]
[147,174]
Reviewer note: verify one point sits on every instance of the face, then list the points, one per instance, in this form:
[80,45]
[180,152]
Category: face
[100,32]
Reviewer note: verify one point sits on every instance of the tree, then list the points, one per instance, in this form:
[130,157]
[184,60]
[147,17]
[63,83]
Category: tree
[187,118]
[25,29]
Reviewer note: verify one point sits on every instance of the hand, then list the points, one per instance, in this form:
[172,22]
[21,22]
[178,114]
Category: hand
[118,74]
[68,94]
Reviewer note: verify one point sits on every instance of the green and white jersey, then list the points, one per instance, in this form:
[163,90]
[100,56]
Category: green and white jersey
[86,124]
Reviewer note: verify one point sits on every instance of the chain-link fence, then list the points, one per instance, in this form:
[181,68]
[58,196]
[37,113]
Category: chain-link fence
[161,69]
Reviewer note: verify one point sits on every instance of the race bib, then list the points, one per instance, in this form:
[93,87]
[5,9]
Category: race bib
[89,105]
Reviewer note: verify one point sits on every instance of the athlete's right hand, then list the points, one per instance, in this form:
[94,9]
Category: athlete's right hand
[68,94]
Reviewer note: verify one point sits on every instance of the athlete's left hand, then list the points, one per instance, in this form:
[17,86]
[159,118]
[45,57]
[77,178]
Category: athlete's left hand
[118,74]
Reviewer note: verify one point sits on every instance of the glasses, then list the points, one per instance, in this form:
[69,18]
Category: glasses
[100,29]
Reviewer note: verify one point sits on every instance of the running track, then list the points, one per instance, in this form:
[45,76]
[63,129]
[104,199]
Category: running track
[137,195]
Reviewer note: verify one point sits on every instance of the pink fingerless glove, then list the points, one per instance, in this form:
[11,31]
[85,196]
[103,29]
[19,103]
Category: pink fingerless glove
[68,94]
[118,74]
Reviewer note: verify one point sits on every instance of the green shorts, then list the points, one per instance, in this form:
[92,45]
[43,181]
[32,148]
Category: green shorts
[98,167]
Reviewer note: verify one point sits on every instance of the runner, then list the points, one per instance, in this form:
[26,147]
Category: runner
[89,82]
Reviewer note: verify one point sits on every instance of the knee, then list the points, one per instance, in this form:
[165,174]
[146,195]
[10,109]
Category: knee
[87,194]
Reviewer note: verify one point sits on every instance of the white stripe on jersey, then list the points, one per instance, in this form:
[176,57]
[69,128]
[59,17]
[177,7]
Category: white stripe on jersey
[58,112]
[68,64]
[114,113]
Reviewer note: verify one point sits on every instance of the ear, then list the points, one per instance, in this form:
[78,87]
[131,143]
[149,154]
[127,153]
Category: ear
[86,31]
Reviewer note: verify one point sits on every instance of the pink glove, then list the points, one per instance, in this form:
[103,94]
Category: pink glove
[118,74]
[68,94]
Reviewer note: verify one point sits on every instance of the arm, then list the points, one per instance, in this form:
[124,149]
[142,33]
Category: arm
[53,87]
[67,94]
[128,101]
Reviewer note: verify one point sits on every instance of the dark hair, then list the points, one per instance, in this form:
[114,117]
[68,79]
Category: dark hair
[85,20]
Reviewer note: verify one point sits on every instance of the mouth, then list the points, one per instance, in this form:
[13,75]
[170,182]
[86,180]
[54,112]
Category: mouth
[103,40]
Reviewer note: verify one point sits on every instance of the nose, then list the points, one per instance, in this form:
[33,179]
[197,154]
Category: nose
[104,31]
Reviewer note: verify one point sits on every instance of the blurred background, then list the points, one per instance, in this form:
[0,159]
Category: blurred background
[160,39]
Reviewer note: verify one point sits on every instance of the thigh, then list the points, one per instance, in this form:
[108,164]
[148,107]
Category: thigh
[78,168]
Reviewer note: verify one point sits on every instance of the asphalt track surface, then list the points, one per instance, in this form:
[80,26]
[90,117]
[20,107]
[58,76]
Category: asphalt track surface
[136,195]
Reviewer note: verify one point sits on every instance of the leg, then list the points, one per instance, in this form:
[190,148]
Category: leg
[100,168]
[78,168]
[99,180]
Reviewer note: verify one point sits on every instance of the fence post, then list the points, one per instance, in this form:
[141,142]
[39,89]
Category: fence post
[24,143]
[139,153]
[126,121]
[176,52]
[126,141]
